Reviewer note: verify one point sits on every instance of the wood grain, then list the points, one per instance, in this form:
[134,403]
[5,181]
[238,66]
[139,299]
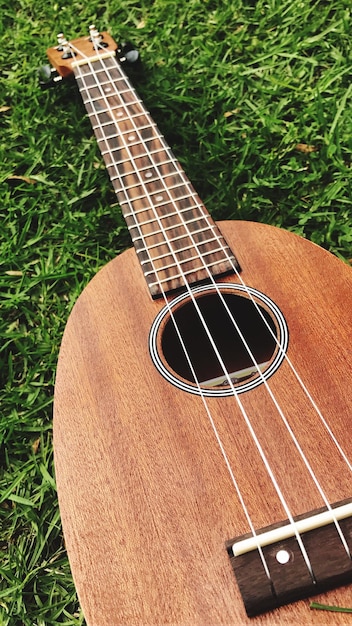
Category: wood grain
[147,503]
[169,225]
[83,50]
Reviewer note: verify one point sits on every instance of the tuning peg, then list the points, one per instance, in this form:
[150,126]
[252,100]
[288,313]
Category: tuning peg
[48,76]
[127,53]
[60,42]
[96,38]
[64,47]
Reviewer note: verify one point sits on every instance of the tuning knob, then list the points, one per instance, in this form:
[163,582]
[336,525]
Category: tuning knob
[127,53]
[96,38]
[64,47]
[48,77]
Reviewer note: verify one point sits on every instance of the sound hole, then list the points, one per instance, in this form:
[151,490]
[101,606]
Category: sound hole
[247,340]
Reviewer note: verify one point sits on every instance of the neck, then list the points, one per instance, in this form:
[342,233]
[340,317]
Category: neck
[175,238]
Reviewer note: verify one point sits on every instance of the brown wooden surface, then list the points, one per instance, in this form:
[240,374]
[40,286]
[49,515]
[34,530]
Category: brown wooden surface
[146,500]
[164,214]
[83,49]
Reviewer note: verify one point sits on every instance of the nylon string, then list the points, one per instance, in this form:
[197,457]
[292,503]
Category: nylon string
[249,425]
[215,349]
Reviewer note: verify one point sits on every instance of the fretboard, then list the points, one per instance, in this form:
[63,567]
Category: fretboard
[175,238]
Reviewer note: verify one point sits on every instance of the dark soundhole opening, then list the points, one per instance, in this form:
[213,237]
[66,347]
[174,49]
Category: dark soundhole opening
[261,341]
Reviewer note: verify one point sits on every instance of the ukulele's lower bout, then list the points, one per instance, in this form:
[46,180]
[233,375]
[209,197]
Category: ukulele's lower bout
[219,340]
[145,494]
[328,547]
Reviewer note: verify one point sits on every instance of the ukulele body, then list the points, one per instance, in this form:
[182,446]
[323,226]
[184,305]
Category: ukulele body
[146,498]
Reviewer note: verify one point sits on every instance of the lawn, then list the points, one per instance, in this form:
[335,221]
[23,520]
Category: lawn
[254,98]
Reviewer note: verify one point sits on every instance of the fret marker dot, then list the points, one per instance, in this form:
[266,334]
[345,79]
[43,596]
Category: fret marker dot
[119,114]
[283,557]
[159,198]
[131,137]
[107,89]
[148,174]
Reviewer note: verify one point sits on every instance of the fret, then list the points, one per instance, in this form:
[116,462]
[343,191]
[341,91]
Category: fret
[95,69]
[147,172]
[174,213]
[105,128]
[163,264]
[190,246]
[110,85]
[127,118]
[199,268]
[158,202]
[147,129]
[162,199]
[143,163]
[140,134]
[185,211]
[173,225]
[122,176]
[114,105]
[156,191]
[169,271]
[95,108]
[172,239]
[172,232]
[168,265]
[122,99]
[109,105]
[122,111]
[149,259]
[168,211]
[154,259]
[185,214]
[133,136]
[107,87]
[139,149]
[190,231]
[187,219]
[98,95]
[148,178]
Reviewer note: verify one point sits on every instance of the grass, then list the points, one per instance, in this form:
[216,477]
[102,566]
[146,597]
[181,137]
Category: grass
[255,99]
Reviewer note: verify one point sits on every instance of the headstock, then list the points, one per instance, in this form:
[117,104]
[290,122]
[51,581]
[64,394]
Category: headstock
[66,54]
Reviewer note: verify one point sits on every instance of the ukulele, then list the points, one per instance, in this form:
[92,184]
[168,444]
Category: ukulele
[202,408]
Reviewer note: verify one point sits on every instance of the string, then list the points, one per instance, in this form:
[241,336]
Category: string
[243,413]
[218,355]
[203,322]
[217,436]
[222,449]
[181,173]
[249,294]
